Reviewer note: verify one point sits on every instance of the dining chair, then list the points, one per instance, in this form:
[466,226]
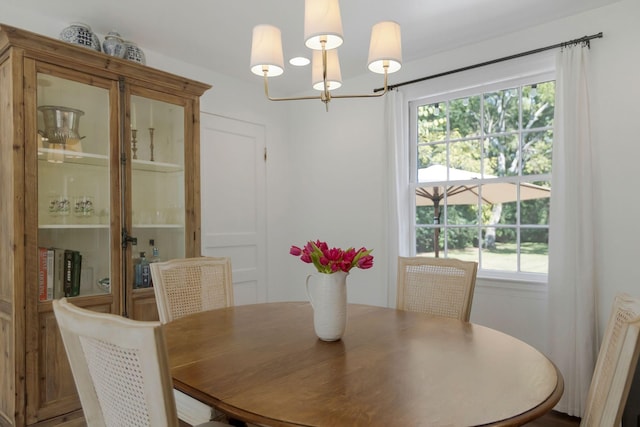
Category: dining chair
[615,366]
[120,368]
[191,285]
[440,286]
[186,286]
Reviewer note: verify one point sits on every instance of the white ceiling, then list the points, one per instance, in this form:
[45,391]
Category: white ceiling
[216,34]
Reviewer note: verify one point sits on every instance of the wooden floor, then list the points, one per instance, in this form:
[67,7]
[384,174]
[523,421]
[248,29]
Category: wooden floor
[555,419]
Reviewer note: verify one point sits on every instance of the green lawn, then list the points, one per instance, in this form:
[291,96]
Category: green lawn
[533,257]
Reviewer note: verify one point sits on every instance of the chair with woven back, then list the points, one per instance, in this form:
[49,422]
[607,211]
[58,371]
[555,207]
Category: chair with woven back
[615,366]
[191,285]
[440,286]
[120,368]
[186,286]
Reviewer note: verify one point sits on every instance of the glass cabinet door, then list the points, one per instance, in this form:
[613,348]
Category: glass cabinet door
[74,196]
[157,185]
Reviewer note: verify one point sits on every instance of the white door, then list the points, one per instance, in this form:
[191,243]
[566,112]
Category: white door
[233,172]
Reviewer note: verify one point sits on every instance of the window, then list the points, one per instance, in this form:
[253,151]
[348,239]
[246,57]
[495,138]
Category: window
[481,172]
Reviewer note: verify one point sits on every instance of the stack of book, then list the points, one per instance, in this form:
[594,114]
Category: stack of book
[59,273]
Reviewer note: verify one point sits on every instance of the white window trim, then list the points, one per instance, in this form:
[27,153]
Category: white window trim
[519,72]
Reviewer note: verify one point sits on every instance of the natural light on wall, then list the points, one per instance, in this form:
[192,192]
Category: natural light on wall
[323,34]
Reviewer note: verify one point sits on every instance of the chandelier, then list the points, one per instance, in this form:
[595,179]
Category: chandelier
[323,34]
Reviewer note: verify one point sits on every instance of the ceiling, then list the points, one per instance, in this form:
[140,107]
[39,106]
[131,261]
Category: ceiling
[216,34]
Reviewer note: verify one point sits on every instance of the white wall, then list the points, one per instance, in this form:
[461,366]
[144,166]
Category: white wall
[327,171]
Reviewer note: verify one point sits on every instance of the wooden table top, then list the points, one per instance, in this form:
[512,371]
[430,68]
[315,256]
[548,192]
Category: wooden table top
[264,364]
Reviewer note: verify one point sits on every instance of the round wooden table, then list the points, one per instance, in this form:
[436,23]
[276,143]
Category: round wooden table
[263,363]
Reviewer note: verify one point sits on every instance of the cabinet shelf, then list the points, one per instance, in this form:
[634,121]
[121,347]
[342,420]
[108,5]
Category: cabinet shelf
[68,226]
[89,159]
[158,226]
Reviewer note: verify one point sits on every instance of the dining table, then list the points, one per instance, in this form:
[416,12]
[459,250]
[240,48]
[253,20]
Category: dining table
[263,364]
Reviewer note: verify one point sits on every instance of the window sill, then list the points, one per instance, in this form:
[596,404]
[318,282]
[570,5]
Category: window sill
[533,284]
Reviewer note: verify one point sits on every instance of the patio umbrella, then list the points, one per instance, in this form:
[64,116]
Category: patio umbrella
[467,193]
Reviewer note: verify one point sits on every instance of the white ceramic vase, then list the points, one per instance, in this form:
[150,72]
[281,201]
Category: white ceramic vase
[328,297]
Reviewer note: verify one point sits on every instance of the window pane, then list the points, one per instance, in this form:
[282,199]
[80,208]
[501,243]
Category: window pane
[537,105]
[424,214]
[461,214]
[534,250]
[466,156]
[464,117]
[501,111]
[432,122]
[499,251]
[536,152]
[501,154]
[430,154]
[534,208]
[425,238]
[462,243]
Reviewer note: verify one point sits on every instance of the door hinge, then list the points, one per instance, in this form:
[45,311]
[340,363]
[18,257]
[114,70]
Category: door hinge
[126,239]
[265,154]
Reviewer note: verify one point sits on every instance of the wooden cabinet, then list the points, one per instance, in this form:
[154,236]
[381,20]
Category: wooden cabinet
[95,152]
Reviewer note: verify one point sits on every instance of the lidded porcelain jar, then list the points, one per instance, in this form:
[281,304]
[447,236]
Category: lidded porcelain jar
[80,34]
[134,53]
[114,45]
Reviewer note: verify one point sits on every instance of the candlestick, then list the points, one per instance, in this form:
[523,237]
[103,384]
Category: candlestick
[133,116]
[134,132]
[151,114]
[151,142]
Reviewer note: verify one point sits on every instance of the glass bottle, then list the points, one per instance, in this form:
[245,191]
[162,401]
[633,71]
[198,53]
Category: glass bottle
[135,261]
[145,271]
[155,257]
[155,252]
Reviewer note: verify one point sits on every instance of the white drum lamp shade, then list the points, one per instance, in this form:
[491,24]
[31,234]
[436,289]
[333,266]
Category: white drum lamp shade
[266,51]
[322,22]
[385,47]
[334,77]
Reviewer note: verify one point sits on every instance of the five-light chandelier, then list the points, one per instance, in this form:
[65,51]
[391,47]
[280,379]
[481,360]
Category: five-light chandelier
[323,34]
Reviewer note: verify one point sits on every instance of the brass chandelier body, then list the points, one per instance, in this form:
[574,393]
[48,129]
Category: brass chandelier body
[323,34]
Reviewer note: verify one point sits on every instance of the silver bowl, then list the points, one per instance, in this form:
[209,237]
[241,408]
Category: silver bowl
[60,123]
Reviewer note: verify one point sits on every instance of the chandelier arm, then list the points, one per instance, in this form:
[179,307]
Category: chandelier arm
[325,95]
[299,98]
[370,95]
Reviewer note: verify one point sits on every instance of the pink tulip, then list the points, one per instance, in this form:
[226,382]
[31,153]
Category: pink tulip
[333,254]
[306,258]
[365,262]
[349,255]
[295,251]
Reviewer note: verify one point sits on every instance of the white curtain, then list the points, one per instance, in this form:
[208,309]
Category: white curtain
[398,182]
[572,306]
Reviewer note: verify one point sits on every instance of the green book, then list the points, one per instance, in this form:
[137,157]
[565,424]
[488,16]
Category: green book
[68,268]
[76,268]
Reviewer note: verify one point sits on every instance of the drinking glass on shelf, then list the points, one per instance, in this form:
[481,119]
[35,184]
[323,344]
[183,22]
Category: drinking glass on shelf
[64,206]
[83,206]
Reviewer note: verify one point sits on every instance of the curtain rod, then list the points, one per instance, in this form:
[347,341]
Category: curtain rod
[584,39]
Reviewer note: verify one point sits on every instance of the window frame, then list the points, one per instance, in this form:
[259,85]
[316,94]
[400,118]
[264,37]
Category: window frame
[511,79]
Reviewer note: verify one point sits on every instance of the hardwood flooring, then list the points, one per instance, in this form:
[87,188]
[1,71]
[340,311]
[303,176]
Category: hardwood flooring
[555,419]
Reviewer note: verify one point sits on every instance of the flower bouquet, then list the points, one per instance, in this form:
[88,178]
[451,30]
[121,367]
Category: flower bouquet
[329,260]
[329,295]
